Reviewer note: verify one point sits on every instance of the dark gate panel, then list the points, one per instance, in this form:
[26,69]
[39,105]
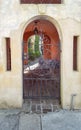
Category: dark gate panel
[41,88]
[42,73]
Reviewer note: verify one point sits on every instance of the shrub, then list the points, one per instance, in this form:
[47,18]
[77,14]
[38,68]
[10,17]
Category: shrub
[37,54]
[31,54]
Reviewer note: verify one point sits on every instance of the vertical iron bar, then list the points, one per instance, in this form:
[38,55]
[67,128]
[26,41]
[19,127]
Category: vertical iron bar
[40,88]
[27,89]
[37,87]
[32,87]
[46,85]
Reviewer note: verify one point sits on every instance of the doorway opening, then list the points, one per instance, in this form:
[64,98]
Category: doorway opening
[41,61]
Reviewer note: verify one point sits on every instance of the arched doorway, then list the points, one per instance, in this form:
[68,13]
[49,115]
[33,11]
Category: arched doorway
[41,61]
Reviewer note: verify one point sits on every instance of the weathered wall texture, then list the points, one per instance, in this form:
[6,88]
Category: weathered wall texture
[13,19]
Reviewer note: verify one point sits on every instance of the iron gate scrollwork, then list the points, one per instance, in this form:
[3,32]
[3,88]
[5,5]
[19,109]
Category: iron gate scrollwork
[42,73]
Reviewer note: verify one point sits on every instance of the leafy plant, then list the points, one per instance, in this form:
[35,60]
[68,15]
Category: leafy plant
[31,54]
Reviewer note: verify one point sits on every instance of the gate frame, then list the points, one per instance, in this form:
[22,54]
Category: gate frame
[57,25]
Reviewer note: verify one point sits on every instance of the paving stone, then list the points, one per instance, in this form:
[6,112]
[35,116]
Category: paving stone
[58,120]
[9,122]
[63,120]
[29,122]
[10,111]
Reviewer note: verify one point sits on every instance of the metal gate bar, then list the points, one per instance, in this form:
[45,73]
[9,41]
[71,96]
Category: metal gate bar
[41,88]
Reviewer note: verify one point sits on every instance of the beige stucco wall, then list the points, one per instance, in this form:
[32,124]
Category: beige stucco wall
[14,18]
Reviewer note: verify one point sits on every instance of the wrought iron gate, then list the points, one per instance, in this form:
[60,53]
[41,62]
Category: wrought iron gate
[42,73]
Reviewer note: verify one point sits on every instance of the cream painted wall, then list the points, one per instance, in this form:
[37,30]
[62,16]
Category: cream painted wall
[71,80]
[14,17]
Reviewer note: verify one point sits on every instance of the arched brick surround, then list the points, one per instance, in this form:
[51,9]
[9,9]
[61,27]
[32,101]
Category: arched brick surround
[51,34]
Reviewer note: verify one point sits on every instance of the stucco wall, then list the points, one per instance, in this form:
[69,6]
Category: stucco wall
[13,19]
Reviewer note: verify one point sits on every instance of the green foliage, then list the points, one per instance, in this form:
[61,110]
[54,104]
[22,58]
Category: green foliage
[34,53]
[29,42]
[37,54]
[36,43]
[31,54]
